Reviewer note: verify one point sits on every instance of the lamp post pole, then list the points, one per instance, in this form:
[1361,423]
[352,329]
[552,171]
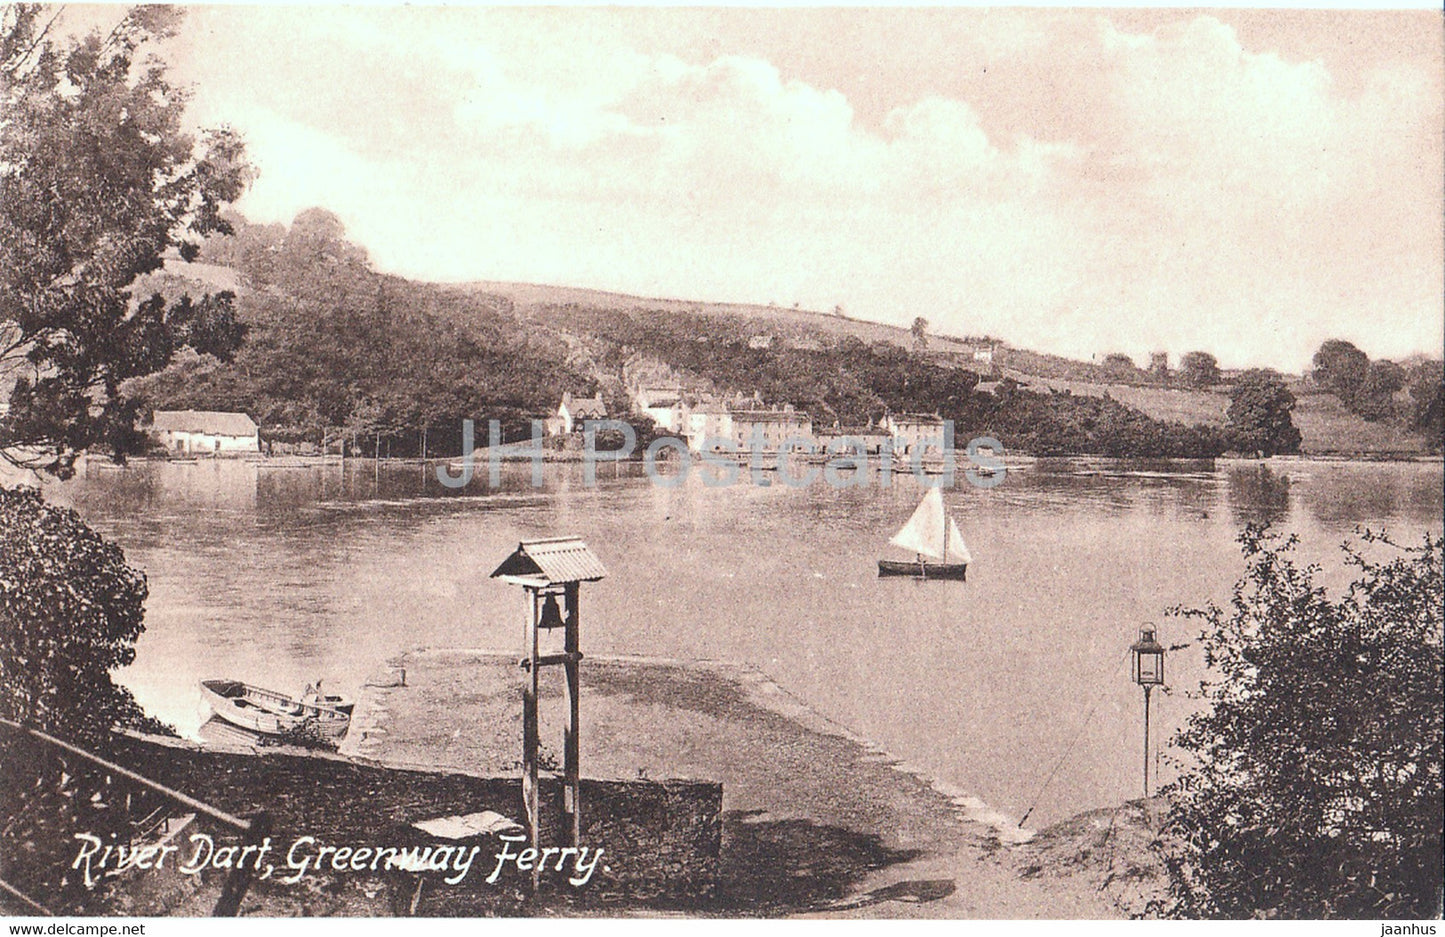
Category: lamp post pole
[1147,688]
[1148,673]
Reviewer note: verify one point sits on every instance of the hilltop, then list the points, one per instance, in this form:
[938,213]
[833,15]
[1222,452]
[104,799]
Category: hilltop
[336,349]
[1327,426]
[530,299]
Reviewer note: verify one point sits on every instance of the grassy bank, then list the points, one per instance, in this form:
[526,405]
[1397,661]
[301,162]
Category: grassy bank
[1325,426]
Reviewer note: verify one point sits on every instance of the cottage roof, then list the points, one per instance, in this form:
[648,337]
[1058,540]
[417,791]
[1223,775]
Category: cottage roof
[584,406]
[770,416]
[551,561]
[926,419]
[210,422]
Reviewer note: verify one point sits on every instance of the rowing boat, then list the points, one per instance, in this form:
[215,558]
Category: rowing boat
[272,713]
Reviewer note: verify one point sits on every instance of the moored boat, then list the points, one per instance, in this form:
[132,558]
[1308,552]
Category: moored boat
[269,712]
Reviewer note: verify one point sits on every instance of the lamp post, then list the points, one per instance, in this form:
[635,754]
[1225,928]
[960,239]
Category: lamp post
[1148,673]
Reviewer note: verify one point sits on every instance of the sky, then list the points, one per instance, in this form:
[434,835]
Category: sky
[1088,181]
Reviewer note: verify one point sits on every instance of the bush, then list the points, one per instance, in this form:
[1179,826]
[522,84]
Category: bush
[70,612]
[1317,787]
[1258,418]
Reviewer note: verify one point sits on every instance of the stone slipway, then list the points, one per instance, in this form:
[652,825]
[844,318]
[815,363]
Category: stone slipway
[817,821]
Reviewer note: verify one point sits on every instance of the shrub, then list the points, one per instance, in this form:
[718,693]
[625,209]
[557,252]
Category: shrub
[70,612]
[1317,786]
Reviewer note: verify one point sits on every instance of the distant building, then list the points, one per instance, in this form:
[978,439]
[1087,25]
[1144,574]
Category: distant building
[1159,363]
[971,354]
[911,430]
[866,440]
[205,432]
[654,395]
[760,341]
[771,428]
[663,405]
[707,424]
[574,409]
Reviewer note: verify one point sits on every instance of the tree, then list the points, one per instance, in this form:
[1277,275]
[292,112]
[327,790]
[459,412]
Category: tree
[1376,397]
[70,612]
[1258,419]
[1341,368]
[919,330]
[1427,401]
[1119,366]
[1200,369]
[1316,790]
[97,183]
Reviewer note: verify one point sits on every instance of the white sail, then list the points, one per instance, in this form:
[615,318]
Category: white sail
[957,549]
[924,531]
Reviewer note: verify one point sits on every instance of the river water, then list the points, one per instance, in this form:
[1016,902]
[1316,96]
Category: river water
[281,576]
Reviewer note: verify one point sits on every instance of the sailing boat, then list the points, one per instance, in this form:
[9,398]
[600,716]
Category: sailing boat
[930,532]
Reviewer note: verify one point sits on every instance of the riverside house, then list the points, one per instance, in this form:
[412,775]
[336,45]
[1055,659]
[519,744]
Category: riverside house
[911,430]
[771,428]
[868,440]
[205,432]
[707,423]
[575,409]
[663,405]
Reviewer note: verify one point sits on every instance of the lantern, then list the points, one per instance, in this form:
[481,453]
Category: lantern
[1148,658]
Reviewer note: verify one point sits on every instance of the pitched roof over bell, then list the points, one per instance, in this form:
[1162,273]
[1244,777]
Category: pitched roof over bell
[551,561]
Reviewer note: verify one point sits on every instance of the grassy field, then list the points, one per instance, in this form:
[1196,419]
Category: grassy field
[781,320]
[1329,429]
[1326,426]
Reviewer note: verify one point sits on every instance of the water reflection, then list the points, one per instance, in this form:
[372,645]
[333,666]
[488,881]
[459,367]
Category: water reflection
[1258,494]
[1376,495]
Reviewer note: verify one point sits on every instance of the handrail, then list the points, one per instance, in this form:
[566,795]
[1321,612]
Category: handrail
[29,901]
[197,805]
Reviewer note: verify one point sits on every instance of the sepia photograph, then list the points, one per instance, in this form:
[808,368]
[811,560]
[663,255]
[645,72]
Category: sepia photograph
[664,462]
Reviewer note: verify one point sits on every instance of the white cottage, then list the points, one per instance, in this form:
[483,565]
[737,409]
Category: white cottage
[206,432]
[572,411]
[910,431]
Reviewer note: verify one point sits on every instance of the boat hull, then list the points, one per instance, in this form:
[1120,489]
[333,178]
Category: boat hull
[924,570]
[270,713]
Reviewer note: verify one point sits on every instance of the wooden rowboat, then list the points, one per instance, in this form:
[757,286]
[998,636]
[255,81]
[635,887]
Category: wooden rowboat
[271,713]
[923,569]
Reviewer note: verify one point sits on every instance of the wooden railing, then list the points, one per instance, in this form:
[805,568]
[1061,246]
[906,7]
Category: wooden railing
[253,830]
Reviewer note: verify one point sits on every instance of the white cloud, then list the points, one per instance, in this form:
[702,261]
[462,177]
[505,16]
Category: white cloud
[1164,188]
